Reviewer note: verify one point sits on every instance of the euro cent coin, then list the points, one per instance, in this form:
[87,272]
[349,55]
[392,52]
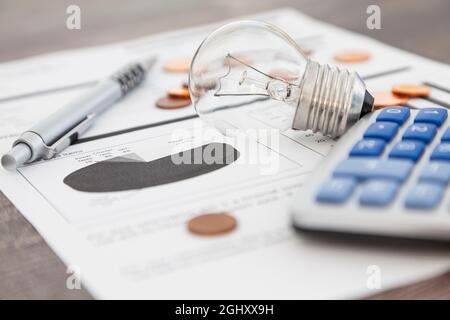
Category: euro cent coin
[388,99]
[178,65]
[411,90]
[212,224]
[352,56]
[171,103]
[178,93]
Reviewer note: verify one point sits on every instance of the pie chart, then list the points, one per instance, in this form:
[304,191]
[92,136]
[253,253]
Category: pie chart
[130,172]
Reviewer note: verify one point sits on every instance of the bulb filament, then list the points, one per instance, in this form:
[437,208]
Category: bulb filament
[242,79]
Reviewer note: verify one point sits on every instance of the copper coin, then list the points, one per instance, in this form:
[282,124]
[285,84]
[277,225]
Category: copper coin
[179,93]
[411,90]
[178,65]
[212,224]
[171,103]
[352,56]
[386,98]
[283,74]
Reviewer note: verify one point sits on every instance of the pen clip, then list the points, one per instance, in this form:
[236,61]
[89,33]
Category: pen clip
[67,139]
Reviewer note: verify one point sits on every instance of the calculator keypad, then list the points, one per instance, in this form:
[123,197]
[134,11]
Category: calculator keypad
[424,195]
[407,149]
[336,190]
[435,116]
[436,171]
[441,152]
[368,147]
[378,192]
[446,136]
[363,169]
[384,158]
[396,114]
[424,132]
[382,130]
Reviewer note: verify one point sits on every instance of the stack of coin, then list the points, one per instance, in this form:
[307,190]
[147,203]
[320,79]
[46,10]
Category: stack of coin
[399,95]
[178,93]
[175,98]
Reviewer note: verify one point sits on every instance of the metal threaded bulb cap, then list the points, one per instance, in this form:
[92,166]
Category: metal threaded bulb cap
[331,100]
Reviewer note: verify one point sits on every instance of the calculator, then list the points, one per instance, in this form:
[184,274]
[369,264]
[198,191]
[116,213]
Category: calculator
[387,176]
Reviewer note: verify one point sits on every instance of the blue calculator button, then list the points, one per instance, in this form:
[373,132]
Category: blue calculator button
[436,171]
[368,147]
[424,196]
[336,190]
[367,168]
[382,130]
[394,114]
[431,115]
[407,149]
[420,131]
[441,152]
[446,136]
[378,192]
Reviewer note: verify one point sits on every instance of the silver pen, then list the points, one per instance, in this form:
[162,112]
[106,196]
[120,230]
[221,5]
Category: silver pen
[55,133]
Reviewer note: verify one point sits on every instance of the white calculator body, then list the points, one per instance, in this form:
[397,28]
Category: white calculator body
[388,176]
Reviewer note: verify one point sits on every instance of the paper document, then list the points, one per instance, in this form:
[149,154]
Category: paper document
[127,235]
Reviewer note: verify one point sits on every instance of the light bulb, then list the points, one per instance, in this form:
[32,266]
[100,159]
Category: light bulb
[247,73]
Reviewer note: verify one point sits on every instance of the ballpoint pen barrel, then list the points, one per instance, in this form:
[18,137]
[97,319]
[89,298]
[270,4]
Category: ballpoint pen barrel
[95,101]
[31,144]
[43,140]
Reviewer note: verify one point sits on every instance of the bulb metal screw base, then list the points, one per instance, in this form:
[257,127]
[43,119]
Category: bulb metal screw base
[331,100]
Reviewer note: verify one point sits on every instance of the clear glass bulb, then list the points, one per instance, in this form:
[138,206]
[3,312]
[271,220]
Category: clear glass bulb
[250,74]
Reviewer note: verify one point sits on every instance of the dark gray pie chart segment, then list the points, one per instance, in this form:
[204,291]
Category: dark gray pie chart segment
[129,172]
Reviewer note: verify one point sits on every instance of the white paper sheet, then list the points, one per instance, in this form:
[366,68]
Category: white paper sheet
[135,244]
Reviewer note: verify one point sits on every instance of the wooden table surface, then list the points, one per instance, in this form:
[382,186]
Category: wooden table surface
[28,267]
